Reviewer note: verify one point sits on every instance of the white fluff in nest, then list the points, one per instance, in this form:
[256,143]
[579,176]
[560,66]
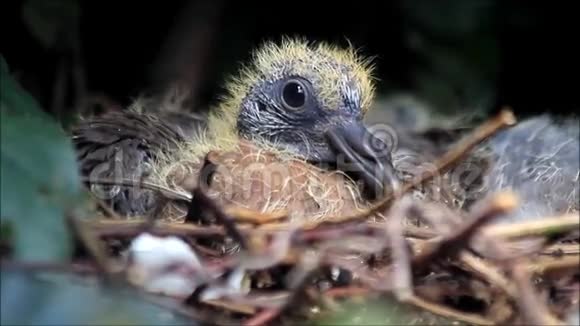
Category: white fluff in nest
[164,265]
[235,285]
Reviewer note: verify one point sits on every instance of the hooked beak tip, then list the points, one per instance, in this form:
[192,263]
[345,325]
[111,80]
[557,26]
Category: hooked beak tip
[358,156]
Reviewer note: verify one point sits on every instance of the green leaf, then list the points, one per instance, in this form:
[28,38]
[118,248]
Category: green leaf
[52,299]
[39,179]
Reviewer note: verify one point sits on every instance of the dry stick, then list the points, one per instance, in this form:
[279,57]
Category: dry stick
[334,232]
[373,280]
[533,310]
[449,245]
[221,217]
[76,268]
[238,213]
[402,278]
[347,291]
[410,231]
[488,272]
[104,206]
[299,280]
[504,119]
[169,193]
[555,265]
[448,313]
[242,214]
[562,250]
[231,306]
[109,228]
[478,266]
[263,317]
[94,247]
[184,311]
[542,227]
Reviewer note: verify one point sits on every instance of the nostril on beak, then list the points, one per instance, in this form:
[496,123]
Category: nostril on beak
[364,157]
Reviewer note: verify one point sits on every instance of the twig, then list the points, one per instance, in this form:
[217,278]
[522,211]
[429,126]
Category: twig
[338,232]
[562,249]
[299,278]
[504,119]
[263,317]
[169,193]
[94,247]
[540,227]
[488,272]
[298,282]
[231,306]
[451,244]
[242,214]
[349,291]
[329,230]
[402,279]
[108,228]
[104,206]
[200,198]
[532,309]
[554,265]
[374,280]
[238,213]
[448,313]
[185,311]
[78,268]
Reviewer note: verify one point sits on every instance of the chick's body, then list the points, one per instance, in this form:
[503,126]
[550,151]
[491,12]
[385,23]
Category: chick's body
[264,137]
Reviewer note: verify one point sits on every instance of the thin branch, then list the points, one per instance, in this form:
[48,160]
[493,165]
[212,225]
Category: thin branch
[111,228]
[554,265]
[263,317]
[200,198]
[504,119]
[488,272]
[169,193]
[562,250]
[449,245]
[349,291]
[533,310]
[24,266]
[95,248]
[231,306]
[448,313]
[241,214]
[401,265]
[540,227]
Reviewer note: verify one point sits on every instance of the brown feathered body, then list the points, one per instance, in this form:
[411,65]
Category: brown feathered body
[262,180]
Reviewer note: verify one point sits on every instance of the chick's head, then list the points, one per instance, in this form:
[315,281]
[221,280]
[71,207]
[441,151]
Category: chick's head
[292,92]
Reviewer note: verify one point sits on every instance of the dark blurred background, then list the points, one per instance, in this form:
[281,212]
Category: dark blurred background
[456,55]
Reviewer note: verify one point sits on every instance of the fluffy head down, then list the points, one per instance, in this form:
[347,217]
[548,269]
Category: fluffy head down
[540,160]
[340,87]
[337,75]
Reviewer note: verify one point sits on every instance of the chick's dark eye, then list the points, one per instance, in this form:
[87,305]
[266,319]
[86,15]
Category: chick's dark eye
[294,95]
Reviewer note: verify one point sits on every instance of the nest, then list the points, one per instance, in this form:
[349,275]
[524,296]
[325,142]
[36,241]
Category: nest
[305,243]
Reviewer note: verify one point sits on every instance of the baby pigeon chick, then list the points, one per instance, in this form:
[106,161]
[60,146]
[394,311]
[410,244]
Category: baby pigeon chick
[287,135]
[539,159]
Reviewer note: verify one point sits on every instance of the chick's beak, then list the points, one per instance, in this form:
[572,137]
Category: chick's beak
[363,157]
